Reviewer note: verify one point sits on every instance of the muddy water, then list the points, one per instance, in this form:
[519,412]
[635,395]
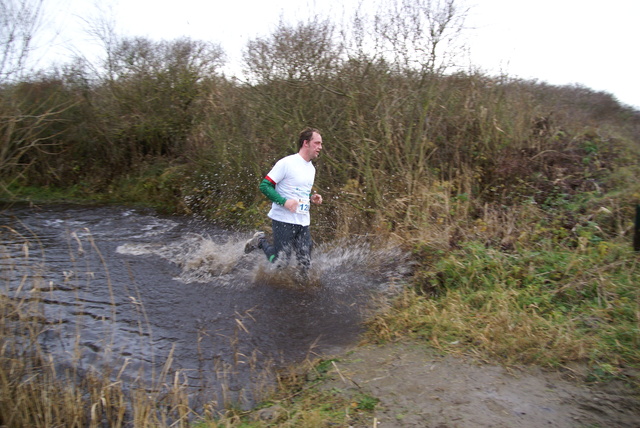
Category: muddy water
[128,288]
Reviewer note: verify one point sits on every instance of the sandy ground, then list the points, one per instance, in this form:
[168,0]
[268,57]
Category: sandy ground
[419,388]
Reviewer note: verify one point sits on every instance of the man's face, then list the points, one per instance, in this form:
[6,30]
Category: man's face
[313,146]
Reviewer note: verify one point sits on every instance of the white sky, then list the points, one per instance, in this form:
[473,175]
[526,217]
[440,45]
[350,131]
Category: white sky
[588,42]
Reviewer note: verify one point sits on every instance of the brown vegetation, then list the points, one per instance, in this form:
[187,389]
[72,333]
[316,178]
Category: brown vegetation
[516,197]
[161,124]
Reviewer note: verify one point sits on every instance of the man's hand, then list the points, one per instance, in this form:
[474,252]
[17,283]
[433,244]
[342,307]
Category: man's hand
[316,198]
[291,205]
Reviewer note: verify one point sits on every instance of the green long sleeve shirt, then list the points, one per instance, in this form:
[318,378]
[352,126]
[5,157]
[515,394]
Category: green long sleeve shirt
[269,190]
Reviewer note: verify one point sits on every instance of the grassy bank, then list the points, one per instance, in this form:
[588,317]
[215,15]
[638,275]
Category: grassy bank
[543,306]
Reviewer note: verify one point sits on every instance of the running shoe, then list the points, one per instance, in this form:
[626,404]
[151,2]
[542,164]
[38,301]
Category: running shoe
[254,242]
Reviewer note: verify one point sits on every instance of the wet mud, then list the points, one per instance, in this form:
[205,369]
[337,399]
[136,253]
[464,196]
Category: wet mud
[417,387]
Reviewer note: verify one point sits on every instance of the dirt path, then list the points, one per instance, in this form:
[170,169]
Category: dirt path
[419,388]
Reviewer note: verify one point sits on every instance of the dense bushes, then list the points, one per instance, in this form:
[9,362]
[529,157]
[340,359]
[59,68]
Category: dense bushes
[406,142]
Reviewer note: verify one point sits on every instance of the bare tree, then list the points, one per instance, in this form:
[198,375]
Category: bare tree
[25,127]
[419,35]
[153,89]
[19,22]
[302,52]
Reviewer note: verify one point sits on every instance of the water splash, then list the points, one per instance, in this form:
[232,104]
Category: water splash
[203,259]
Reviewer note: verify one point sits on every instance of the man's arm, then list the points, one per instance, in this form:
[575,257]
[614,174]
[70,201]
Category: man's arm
[268,188]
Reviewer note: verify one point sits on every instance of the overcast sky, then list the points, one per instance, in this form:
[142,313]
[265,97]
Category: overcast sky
[587,42]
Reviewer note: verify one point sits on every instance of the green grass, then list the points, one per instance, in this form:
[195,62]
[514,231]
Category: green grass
[548,305]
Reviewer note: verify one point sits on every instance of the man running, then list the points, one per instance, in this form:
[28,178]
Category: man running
[288,185]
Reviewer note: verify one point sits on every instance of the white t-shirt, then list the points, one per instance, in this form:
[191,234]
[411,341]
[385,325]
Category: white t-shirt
[294,179]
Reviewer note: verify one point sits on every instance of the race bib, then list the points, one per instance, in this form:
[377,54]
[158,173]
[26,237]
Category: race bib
[303,206]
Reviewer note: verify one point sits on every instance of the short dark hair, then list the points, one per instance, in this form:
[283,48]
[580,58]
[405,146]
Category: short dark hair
[306,135]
